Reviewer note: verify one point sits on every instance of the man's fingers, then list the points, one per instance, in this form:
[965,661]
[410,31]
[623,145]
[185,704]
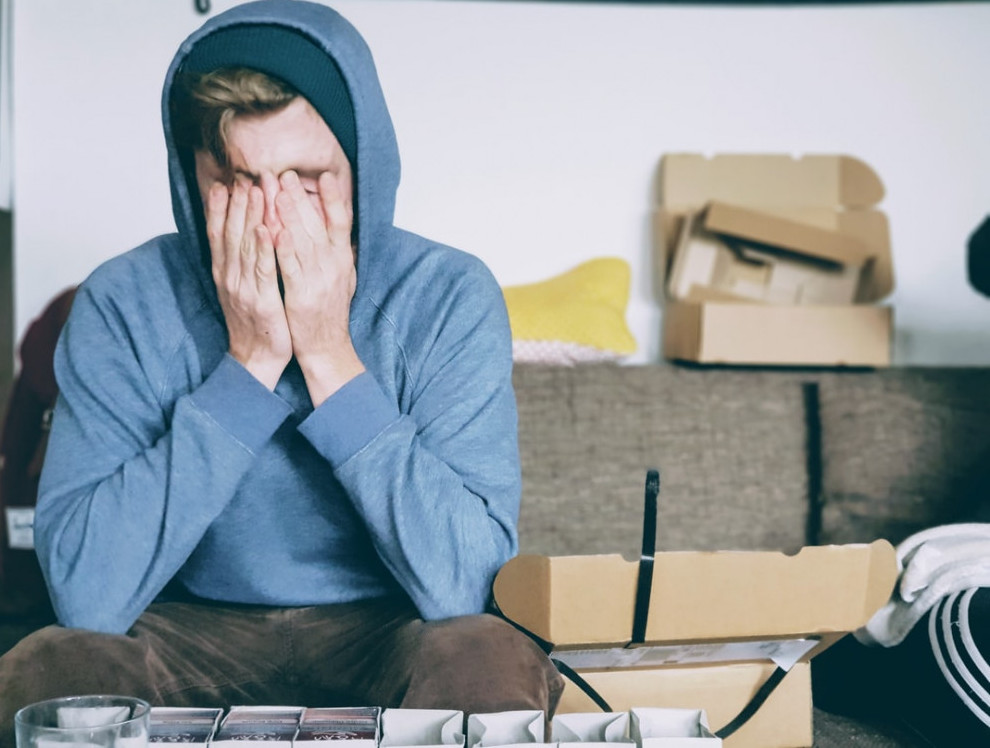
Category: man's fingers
[286,251]
[233,231]
[302,208]
[216,219]
[265,267]
[255,215]
[339,212]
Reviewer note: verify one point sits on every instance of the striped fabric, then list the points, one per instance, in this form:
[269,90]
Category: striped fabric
[959,635]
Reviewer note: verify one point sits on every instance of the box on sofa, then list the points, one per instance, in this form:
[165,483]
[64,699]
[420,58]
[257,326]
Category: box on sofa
[817,204]
[711,612]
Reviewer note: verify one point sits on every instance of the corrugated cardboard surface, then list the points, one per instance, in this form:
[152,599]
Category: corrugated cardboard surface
[830,193]
[746,255]
[796,235]
[718,596]
[746,333]
[784,720]
[581,602]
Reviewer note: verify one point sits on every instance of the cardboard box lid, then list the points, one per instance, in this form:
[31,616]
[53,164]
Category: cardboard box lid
[689,180]
[783,233]
[698,596]
[832,192]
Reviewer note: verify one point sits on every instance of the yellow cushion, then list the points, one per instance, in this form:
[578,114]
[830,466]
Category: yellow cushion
[583,309]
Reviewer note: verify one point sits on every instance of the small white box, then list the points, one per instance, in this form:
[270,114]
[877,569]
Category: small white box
[672,728]
[591,730]
[422,728]
[507,729]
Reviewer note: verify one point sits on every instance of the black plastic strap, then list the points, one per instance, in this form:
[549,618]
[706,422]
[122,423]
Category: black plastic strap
[542,643]
[203,6]
[754,704]
[644,585]
[571,674]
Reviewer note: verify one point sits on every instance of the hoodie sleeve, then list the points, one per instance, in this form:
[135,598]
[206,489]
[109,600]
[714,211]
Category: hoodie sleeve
[437,481]
[129,486]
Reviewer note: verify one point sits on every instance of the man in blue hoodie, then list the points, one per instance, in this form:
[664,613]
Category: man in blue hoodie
[283,468]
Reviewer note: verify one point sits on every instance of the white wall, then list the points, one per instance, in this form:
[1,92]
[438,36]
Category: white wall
[530,133]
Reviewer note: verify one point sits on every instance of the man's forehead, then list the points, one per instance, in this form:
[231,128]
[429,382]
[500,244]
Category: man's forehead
[294,137]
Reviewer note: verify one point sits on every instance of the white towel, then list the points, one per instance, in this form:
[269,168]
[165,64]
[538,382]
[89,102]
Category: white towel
[933,563]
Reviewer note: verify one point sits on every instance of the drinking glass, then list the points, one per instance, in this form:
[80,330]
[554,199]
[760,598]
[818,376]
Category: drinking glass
[84,722]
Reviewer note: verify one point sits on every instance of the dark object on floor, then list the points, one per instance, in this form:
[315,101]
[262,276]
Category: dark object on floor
[978,251]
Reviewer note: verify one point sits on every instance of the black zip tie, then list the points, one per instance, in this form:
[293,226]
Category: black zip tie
[754,704]
[644,585]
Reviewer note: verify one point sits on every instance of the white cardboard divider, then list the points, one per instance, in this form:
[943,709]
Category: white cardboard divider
[422,728]
[672,728]
[507,729]
[590,729]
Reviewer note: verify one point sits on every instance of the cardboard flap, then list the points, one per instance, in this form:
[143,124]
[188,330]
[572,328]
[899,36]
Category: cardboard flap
[698,596]
[800,238]
[590,727]
[859,185]
[835,193]
[650,725]
[524,726]
[422,727]
[540,592]
[689,180]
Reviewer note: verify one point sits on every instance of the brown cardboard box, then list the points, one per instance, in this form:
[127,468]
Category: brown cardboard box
[726,307]
[719,623]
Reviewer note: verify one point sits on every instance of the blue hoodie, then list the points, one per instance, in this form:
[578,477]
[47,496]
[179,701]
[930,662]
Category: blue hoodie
[168,462]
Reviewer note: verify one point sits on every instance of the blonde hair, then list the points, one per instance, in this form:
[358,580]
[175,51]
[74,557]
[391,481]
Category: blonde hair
[204,104]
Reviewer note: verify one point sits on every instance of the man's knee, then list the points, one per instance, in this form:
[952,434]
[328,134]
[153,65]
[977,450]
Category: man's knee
[56,661]
[481,664]
[50,662]
[50,649]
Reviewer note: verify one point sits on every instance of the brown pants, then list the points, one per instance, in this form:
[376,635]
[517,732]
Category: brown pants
[372,653]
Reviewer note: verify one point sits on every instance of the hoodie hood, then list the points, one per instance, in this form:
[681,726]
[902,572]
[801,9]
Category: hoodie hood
[376,164]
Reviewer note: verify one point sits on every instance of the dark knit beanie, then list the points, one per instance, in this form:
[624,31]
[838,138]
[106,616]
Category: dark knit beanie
[291,57]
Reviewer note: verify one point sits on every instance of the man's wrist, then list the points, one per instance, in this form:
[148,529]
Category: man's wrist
[267,371]
[327,373]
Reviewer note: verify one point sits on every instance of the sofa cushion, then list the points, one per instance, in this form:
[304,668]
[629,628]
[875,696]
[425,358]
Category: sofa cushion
[730,445]
[576,317]
[902,449]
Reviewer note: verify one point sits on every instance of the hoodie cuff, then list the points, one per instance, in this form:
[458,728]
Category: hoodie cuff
[349,419]
[240,404]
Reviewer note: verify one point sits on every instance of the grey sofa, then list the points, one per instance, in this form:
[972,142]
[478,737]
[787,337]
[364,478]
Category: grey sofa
[752,459]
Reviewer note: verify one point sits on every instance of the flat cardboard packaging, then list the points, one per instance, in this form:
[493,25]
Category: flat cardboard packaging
[719,624]
[522,728]
[356,726]
[422,728]
[821,206]
[261,725]
[191,725]
[591,730]
[672,728]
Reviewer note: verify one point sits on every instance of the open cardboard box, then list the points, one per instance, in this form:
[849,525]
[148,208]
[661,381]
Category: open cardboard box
[719,624]
[809,259]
